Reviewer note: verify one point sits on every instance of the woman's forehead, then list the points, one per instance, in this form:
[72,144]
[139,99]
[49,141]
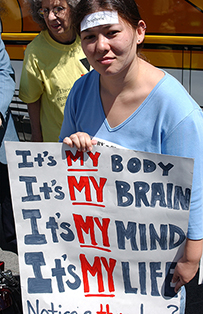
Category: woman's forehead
[99,18]
[53,2]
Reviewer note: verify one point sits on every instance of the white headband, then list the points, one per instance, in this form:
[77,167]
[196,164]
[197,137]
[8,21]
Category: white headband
[99,18]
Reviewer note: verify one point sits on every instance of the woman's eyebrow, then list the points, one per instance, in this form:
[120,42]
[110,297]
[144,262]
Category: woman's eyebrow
[103,26]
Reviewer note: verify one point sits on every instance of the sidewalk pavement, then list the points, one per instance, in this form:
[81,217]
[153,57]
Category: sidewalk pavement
[10,260]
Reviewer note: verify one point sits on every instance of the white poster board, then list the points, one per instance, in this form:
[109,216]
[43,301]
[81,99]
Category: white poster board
[99,232]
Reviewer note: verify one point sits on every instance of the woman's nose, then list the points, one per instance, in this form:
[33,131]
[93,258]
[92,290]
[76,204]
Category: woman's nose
[102,43]
[52,15]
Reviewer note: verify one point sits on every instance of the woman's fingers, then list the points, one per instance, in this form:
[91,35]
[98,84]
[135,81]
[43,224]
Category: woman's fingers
[80,140]
[68,141]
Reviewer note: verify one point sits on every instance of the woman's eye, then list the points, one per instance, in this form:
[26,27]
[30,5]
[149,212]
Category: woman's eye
[112,33]
[59,9]
[89,37]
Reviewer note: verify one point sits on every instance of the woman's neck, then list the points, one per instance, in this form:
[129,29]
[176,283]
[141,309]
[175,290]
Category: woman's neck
[65,38]
[126,80]
[121,96]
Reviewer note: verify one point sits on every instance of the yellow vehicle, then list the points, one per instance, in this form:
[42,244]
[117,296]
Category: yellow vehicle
[174,40]
[17,30]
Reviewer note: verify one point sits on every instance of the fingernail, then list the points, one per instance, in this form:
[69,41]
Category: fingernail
[172,284]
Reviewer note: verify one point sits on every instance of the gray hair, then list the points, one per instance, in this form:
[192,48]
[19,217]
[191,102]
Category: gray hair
[35,5]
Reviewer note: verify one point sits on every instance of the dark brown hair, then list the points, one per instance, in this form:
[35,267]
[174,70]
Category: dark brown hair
[127,10]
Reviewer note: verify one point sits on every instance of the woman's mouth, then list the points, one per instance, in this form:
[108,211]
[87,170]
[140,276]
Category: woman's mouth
[105,60]
[55,26]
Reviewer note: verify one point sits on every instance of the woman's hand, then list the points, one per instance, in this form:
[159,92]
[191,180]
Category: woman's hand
[81,140]
[184,272]
[188,265]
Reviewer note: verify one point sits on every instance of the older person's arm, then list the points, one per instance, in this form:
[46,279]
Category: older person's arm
[34,113]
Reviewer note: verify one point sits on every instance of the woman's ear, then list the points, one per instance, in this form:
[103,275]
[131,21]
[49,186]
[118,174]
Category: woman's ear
[141,31]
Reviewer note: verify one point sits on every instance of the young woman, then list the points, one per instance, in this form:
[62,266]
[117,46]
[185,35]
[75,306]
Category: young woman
[53,61]
[127,101]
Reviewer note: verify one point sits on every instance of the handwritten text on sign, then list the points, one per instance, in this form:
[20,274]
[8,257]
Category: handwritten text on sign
[98,232]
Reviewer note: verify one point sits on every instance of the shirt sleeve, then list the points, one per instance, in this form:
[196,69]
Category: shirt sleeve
[31,82]
[186,140]
[7,80]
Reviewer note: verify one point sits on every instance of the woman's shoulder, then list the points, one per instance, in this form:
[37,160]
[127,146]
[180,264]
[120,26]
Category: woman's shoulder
[84,90]
[172,93]
[87,81]
[172,105]
[37,44]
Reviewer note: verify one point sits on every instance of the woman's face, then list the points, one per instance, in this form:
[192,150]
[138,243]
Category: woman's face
[58,24]
[111,49]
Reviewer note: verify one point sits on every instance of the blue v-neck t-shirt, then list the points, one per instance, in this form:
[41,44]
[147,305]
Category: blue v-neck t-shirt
[168,122]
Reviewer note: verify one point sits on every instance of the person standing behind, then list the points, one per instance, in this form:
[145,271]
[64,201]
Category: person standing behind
[53,61]
[7,133]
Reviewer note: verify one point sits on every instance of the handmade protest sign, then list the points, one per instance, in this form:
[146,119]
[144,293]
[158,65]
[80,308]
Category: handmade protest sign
[98,232]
